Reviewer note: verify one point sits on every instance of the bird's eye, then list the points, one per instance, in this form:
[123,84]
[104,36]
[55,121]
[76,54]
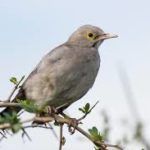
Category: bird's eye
[90,35]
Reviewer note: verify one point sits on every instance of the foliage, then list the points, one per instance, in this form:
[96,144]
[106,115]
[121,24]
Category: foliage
[95,134]
[30,106]
[13,120]
[14,80]
[85,109]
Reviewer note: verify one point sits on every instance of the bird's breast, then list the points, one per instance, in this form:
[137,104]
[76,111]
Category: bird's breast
[83,74]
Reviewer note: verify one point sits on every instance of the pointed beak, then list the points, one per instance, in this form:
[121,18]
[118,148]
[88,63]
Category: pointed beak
[107,36]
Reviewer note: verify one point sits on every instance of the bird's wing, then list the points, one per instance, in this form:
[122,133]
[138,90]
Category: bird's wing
[35,78]
[46,80]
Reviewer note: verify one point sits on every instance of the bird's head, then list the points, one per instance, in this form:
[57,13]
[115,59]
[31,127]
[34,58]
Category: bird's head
[89,36]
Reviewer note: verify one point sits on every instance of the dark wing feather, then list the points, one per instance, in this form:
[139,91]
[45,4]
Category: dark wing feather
[20,95]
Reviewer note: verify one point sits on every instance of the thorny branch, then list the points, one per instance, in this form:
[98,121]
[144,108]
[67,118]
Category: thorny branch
[59,119]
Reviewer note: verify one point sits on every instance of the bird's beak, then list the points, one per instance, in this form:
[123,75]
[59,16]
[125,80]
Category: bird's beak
[107,36]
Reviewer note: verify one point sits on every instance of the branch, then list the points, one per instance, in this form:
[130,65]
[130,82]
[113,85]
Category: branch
[61,137]
[25,133]
[62,120]
[9,104]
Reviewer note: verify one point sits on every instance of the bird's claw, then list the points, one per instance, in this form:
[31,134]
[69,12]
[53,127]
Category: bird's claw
[51,110]
[73,124]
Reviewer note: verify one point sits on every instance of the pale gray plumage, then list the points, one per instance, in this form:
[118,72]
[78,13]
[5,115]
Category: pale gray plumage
[66,73]
[63,76]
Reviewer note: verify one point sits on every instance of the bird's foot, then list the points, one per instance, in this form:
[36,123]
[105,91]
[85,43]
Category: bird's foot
[50,110]
[73,124]
[47,112]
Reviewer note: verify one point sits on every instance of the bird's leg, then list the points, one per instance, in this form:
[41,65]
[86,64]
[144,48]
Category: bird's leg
[50,110]
[73,123]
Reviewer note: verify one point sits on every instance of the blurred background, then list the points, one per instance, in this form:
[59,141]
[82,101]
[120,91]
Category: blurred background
[31,28]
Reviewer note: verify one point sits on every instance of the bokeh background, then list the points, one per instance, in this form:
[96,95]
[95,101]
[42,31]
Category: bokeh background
[31,28]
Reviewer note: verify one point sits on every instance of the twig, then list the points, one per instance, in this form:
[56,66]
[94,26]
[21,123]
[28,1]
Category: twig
[5,126]
[8,104]
[15,88]
[113,146]
[61,137]
[39,120]
[62,120]
[36,126]
[3,136]
[25,133]
[100,144]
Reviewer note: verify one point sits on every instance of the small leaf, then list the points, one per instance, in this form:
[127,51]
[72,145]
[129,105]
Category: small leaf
[95,134]
[16,127]
[13,120]
[13,80]
[30,106]
[93,131]
[87,108]
[82,110]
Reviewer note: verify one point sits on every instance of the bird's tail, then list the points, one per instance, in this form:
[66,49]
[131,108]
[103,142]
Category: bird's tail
[11,110]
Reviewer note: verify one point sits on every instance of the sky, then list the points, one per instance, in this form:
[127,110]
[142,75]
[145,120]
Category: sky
[31,28]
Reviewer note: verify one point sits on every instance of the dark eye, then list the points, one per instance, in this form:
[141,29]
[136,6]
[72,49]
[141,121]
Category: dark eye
[90,35]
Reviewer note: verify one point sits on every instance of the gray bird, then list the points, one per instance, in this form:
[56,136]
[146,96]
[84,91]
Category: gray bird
[67,72]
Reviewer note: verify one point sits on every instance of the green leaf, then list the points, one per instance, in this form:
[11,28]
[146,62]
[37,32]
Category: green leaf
[9,118]
[14,80]
[13,120]
[82,110]
[16,127]
[87,107]
[30,106]
[2,120]
[93,131]
[95,134]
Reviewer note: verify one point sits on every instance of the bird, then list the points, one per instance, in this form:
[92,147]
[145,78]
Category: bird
[66,73]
